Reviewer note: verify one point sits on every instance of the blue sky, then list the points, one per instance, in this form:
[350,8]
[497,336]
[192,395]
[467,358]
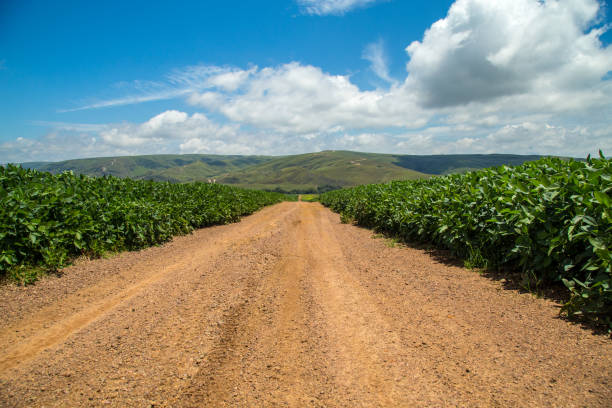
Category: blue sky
[86,79]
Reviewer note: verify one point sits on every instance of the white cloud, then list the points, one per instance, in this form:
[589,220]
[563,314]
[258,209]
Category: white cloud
[483,50]
[205,146]
[520,138]
[179,83]
[56,145]
[486,64]
[230,81]
[78,127]
[169,132]
[375,53]
[415,144]
[209,100]
[553,140]
[505,76]
[177,132]
[131,100]
[335,7]
[167,127]
[295,98]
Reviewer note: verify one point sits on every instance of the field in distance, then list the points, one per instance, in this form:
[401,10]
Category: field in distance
[303,173]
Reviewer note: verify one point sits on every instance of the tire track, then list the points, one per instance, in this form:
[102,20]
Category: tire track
[50,328]
[292,308]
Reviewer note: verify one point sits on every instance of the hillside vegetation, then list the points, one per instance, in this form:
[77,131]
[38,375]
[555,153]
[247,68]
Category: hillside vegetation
[46,219]
[315,172]
[162,167]
[304,173]
[551,219]
[459,163]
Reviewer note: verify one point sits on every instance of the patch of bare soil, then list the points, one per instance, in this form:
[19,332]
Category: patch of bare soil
[290,307]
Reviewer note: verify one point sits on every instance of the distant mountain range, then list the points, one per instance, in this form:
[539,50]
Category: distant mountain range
[310,172]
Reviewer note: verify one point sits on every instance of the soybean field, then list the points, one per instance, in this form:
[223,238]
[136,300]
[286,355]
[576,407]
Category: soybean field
[290,306]
[46,220]
[550,219]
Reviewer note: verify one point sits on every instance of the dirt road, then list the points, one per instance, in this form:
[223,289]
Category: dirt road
[290,308]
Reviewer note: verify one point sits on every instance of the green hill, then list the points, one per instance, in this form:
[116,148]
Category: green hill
[457,163]
[310,172]
[322,171]
[162,167]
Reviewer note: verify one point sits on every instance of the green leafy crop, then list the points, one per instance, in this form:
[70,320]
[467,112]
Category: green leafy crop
[46,220]
[550,219]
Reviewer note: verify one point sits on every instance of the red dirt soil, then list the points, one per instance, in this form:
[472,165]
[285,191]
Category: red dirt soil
[290,307]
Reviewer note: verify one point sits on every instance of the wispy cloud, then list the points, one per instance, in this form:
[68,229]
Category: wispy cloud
[77,127]
[334,7]
[375,53]
[176,84]
[131,100]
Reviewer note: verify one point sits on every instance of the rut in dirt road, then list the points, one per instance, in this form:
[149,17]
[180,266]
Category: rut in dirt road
[290,307]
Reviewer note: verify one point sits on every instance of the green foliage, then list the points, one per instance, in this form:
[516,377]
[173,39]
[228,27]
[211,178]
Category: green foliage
[46,220]
[311,198]
[290,197]
[550,218]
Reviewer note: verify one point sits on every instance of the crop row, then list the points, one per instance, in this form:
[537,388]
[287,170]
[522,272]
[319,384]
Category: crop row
[46,220]
[549,219]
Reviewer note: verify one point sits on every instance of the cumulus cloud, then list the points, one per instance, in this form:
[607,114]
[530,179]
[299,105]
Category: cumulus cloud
[230,81]
[554,140]
[375,54]
[166,127]
[296,98]
[335,7]
[169,132]
[177,132]
[57,145]
[485,64]
[505,76]
[520,138]
[485,49]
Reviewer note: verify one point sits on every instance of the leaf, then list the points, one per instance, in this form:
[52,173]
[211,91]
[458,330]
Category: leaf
[597,243]
[602,198]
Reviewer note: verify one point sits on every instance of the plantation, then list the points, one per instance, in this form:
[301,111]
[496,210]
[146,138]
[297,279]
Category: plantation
[550,219]
[46,220]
